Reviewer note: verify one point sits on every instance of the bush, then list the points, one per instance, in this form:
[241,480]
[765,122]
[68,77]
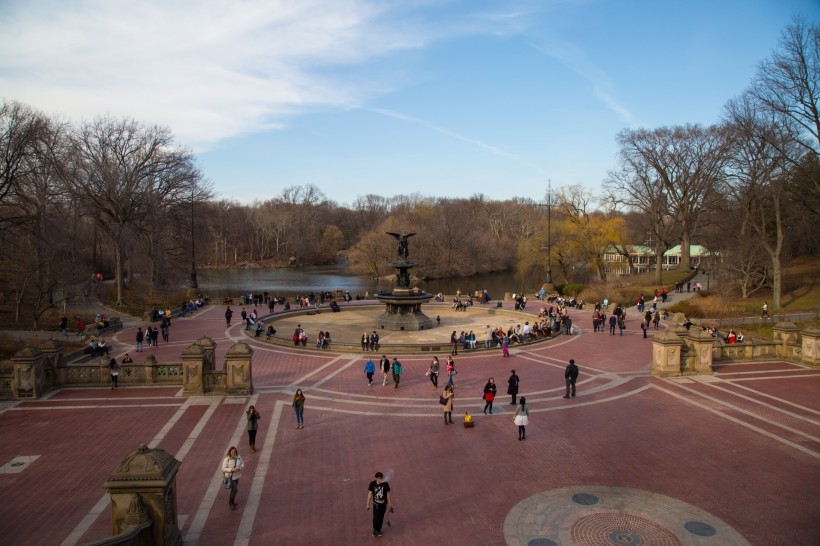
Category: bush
[569,289]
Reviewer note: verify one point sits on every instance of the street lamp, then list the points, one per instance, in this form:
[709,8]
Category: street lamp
[549,233]
[193,283]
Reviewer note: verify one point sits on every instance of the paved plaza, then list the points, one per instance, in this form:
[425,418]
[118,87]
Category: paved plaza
[728,459]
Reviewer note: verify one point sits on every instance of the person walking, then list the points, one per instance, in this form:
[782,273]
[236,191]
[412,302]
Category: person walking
[489,395]
[369,370]
[512,388]
[434,369]
[140,337]
[114,370]
[253,420]
[505,346]
[656,319]
[571,375]
[384,365]
[449,397]
[765,309]
[451,371]
[522,418]
[228,315]
[613,321]
[299,408]
[378,494]
[232,466]
[396,369]
[64,325]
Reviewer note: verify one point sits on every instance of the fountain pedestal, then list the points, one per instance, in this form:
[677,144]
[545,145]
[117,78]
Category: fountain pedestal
[403,304]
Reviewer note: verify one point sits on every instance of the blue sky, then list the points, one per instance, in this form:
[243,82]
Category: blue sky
[443,98]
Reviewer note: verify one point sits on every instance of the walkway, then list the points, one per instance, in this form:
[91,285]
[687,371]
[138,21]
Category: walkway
[729,459]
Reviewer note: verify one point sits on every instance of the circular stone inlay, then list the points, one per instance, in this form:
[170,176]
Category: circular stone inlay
[607,528]
[700,528]
[542,542]
[584,499]
[624,537]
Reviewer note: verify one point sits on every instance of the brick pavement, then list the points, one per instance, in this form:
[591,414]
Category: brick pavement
[738,452]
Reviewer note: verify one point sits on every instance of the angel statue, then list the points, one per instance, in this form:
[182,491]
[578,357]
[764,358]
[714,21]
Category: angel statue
[402,238]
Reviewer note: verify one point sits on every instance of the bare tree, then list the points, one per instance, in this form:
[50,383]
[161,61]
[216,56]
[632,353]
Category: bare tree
[121,169]
[788,83]
[21,129]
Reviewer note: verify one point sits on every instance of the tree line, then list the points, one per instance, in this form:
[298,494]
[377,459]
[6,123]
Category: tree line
[121,198]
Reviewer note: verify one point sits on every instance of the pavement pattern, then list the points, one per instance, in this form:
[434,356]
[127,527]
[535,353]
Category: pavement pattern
[732,458]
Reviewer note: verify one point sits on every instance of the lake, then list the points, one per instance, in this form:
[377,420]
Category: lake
[291,281]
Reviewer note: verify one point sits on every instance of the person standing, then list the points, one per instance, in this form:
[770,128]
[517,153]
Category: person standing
[522,418]
[384,365]
[232,466]
[253,421]
[505,346]
[571,376]
[299,408]
[369,370]
[378,494]
[489,395]
[140,338]
[434,369]
[451,371]
[64,325]
[454,344]
[449,397]
[765,309]
[228,315]
[396,368]
[114,370]
[512,388]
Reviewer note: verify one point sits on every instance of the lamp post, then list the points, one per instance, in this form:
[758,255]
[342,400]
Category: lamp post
[193,283]
[549,232]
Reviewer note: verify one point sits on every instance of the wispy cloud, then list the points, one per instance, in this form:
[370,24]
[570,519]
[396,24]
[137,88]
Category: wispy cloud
[208,69]
[451,134]
[577,61]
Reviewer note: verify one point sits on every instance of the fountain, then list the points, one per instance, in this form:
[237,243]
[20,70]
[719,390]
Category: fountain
[403,304]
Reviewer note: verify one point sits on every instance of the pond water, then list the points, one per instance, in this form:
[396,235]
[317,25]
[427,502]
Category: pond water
[291,281]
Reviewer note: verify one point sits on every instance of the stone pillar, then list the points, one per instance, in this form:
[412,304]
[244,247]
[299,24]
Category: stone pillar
[810,353]
[788,336]
[701,343]
[28,377]
[193,362]
[238,370]
[149,368]
[209,347]
[666,354]
[146,479]
[53,357]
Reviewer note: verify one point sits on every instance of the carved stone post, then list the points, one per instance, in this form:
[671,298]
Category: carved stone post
[788,335]
[193,362]
[701,343]
[238,370]
[811,346]
[150,369]
[666,354]
[28,377]
[150,476]
[53,357]
[209,347]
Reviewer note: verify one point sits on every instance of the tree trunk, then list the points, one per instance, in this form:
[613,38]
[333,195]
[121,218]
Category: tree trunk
[685,242]
[658,265]
[118,273]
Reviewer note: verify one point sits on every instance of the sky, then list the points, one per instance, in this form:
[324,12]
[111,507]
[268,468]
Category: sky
[392,97]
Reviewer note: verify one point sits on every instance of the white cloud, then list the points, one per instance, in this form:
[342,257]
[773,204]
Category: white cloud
[207,69]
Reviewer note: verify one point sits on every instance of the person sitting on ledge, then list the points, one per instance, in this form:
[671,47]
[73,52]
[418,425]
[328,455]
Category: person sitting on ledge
[468,421]
[334,306]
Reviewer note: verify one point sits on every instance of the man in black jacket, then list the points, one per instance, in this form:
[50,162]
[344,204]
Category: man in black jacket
[571,375]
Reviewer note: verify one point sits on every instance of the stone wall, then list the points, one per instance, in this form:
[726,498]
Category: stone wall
[683,352]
